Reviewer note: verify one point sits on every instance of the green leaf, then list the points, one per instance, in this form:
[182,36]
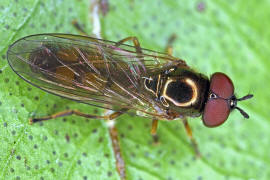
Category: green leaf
[62,149]
[228,36]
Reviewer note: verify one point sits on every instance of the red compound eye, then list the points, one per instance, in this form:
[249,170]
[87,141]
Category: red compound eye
[217,109]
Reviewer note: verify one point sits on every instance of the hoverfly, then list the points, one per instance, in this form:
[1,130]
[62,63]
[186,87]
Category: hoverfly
[122,78]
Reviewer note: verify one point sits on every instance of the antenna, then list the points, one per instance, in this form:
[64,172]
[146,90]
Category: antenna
[241,110]
[245,97]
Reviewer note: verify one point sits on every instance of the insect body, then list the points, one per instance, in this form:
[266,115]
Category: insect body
[122,78]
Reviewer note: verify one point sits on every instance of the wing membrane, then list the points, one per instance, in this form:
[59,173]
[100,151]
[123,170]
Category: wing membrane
[88,70]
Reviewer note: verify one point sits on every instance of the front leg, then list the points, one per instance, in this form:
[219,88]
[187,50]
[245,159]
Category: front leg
[189,133]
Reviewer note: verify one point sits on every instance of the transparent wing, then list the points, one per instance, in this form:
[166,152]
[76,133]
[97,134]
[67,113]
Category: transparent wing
[88,70]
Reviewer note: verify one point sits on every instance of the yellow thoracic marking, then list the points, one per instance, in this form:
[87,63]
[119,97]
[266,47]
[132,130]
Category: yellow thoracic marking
[157,86]
[193,86]
[150,79]
[163,101]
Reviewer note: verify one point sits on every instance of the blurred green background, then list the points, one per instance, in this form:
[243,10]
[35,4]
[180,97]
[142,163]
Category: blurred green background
[230,36]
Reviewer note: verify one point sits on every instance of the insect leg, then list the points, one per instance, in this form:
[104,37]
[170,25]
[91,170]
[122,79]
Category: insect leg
[135,42]
[154,131]
[169,49]
[78,27]
[138,48]
[154,126]
[78,113]
[120,163]
[189,133]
